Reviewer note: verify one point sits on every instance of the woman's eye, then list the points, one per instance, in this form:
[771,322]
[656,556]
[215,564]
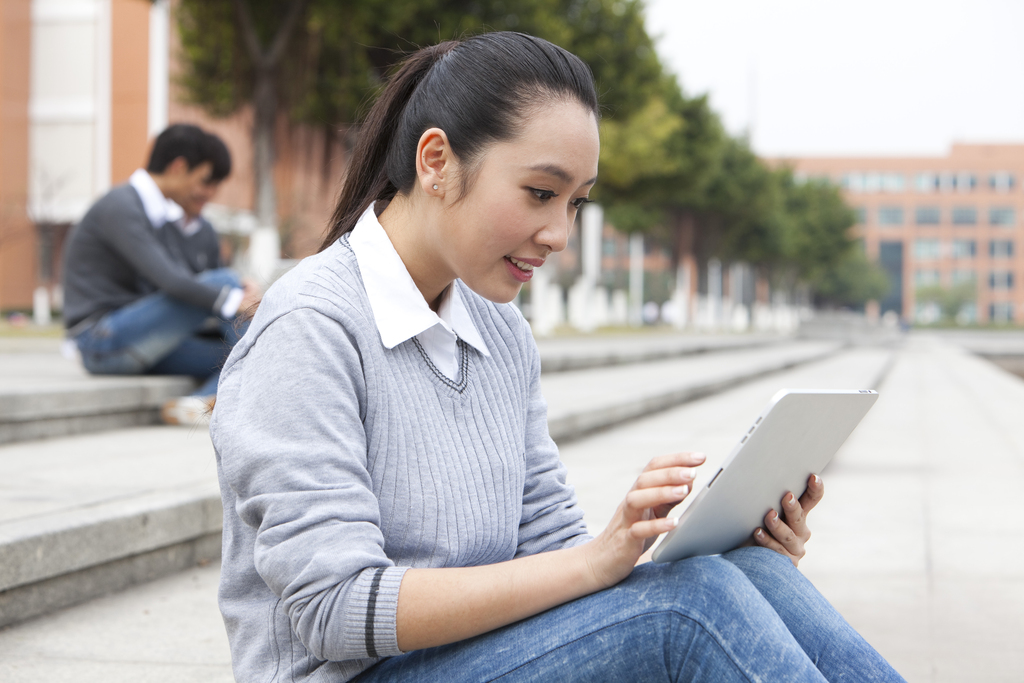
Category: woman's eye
[581,201]
[543,195]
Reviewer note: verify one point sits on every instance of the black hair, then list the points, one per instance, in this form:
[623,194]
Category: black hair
[195,145]
[477,91]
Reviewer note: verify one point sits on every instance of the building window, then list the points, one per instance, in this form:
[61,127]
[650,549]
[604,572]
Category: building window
[860,215]
[890,215]
[926,277]
[1001,312]
[965,215]
[1001,215]
[1000,280]
[926,182]
[927,215]
[926,249]
[963,249]
[893,182]
[965,182]
[963,276]
[1001,181]
[1000,248]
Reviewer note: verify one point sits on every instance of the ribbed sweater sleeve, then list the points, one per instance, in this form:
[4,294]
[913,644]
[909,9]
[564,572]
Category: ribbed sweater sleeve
[551,518]
[295,458]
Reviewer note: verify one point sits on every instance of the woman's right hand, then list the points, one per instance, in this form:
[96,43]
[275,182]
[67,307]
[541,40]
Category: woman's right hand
[642,516]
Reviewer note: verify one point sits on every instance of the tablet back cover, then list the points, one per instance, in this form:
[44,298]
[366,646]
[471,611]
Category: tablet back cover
[796,436]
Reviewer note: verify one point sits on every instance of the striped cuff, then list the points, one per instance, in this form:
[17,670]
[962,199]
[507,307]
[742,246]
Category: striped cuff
[371,620]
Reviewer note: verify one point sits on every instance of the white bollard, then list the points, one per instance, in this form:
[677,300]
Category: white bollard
[264,254]
[41,314]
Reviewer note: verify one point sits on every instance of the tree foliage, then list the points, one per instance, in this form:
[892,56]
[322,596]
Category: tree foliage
[667,164]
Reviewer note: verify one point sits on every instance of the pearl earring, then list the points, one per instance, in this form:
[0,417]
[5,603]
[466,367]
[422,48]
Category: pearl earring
[435,186]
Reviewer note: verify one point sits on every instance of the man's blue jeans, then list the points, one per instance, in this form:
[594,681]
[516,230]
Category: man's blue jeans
[159,335]
[748,615]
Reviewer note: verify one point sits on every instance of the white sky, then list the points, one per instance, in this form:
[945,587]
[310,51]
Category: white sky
[831,77]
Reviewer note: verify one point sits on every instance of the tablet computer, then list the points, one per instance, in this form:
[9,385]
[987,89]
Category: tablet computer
[794,437]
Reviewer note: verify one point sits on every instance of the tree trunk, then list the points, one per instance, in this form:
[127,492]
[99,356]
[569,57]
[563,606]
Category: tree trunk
[265,113]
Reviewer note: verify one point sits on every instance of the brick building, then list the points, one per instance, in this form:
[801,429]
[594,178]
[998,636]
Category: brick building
[84,86]
[940,221]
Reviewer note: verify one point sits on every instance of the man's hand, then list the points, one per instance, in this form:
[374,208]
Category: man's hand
[251,294]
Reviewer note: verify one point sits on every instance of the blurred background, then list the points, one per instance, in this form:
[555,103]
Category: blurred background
[759,160]
[792,193]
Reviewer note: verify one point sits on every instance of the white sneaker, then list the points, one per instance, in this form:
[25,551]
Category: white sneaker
[188,410]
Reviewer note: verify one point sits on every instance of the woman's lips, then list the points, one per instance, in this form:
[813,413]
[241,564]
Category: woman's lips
[518,273]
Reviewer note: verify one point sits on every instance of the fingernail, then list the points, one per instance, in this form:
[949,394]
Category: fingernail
[792,499]
[681,490]
[759,533]
[672,522]
[817,479]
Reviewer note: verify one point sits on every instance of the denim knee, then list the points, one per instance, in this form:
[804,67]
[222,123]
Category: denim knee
[218,277]
[703,589]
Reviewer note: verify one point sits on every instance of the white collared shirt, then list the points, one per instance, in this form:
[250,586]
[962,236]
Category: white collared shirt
[399,308]
[159,209]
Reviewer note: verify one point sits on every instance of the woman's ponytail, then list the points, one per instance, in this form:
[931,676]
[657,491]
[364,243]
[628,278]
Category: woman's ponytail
[477,94]
[366,179]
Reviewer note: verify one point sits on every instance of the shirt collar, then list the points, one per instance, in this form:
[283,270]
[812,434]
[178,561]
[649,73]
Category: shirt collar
[399,308]
[159,209]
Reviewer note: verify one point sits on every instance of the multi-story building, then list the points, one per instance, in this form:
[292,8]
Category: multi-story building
[939,221]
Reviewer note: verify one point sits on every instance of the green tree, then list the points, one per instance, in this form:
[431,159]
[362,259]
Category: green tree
[951,300]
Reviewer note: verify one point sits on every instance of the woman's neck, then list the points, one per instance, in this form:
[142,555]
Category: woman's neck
[410,226]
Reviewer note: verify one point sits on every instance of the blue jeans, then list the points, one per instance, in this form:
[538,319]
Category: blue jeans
[748,615]
[160,335]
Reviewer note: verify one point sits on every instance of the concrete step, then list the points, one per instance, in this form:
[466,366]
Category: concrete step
[45,395]
[584,401]
[560,354]
[86,515]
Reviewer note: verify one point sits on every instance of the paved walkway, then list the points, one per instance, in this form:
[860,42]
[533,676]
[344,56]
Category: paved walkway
[919,542]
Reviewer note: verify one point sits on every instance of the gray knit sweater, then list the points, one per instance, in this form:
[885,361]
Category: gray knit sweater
[343,463]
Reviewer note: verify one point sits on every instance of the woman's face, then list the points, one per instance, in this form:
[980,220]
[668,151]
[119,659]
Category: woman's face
[522,201]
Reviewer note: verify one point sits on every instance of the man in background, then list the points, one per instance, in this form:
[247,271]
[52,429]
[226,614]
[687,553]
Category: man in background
[144,288]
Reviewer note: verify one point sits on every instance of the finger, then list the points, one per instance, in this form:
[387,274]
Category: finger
[812,496]
[641,499]
[795,516]
[782,533]
[670,476]
[652,527]
[766,541]
[683,459]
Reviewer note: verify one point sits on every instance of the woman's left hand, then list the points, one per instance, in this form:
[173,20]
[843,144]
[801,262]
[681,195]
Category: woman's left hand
[788,537]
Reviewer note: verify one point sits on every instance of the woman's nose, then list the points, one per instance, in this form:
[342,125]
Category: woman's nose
[555,235]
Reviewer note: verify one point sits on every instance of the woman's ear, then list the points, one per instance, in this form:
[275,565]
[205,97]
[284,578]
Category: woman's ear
[435,163]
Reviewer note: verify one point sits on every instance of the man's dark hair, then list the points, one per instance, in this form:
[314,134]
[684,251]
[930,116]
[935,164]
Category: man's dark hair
[195,145]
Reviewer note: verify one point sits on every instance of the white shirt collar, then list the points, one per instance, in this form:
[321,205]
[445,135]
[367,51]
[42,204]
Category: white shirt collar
[399,308]
[158,208]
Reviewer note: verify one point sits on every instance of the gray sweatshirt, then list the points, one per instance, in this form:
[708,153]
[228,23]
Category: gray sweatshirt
[343,463]
[114,256]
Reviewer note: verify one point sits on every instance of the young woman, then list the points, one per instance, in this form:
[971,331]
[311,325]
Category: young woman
[394,508]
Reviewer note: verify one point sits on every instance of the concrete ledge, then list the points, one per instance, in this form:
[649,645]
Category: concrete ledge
[565,354]
[565,426]
[38,548]
[59,592]
[97,404]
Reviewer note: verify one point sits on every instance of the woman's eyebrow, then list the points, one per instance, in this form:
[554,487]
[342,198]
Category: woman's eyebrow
[559,173]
